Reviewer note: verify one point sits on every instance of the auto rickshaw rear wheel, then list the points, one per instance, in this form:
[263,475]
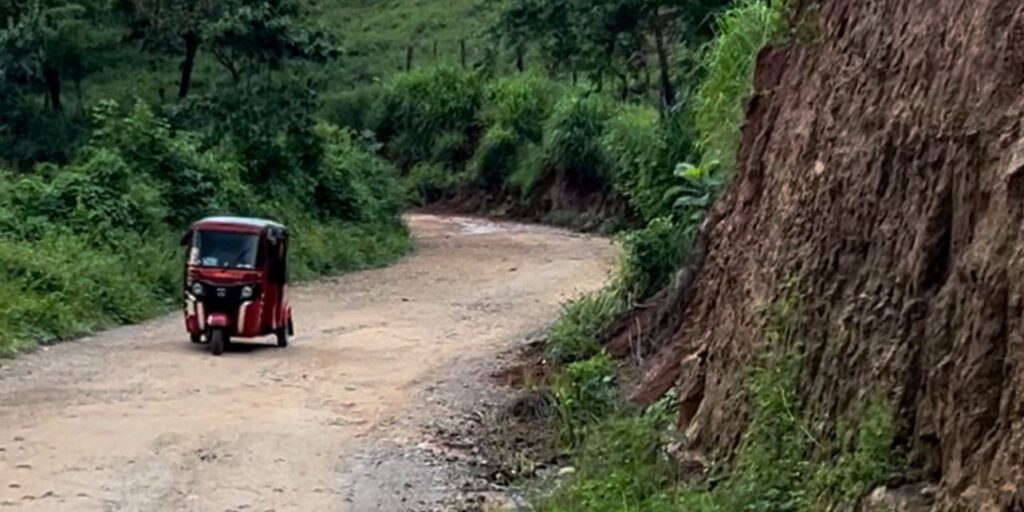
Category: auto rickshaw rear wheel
[218,339]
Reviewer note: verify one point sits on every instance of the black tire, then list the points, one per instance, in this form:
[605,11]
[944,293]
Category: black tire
[217,341]
[197,337]
[282,337]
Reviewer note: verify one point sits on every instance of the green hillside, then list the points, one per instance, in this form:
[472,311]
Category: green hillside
[376,34]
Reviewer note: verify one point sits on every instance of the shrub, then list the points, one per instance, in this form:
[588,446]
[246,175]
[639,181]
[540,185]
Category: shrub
[572,141]
[584,394]
[573,337]
[351,183]
[418,106]
[352,108]
[189,179]
[520,104]
[427,183]
[497,158]
[635,145]
[514,112]
[650,257]
[451,148]
[694,193]
[320,248]
[528,171]
[98,196]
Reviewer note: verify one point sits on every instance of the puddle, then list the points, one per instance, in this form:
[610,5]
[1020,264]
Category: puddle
[474,227]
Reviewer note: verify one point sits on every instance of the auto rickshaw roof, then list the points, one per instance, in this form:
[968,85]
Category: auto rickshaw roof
[242,222]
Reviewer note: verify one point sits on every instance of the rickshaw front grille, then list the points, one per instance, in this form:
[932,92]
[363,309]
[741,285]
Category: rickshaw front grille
[221,299]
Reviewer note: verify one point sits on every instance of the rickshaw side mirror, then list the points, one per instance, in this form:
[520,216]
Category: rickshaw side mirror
[186,239]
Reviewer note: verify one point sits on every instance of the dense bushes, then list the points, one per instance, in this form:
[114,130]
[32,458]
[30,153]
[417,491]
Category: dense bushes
[572,141]
[429,115]
[94,242]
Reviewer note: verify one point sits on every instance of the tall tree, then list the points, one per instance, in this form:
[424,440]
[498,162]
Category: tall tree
[48,43]
[263,36]
[176,26]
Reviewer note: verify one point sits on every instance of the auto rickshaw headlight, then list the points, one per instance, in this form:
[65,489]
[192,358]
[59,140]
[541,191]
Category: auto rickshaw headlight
[197,289]
[247,292]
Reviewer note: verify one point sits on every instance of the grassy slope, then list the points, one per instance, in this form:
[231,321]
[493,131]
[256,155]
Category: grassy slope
[373,33]
[376,33]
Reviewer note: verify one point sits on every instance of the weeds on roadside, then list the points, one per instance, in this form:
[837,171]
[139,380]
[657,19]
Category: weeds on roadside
[573,337]
[584,394]
[781,465]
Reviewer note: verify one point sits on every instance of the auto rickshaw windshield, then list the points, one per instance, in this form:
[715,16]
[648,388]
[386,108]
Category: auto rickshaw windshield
[222,249]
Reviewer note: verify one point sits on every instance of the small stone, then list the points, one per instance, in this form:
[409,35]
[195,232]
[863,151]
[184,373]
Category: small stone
[24,465]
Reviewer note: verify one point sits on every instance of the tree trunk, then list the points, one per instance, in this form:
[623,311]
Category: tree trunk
[462,52]
[78,96]
[520,65]
[52,77]
[668,92]
[408,58]
[187,65]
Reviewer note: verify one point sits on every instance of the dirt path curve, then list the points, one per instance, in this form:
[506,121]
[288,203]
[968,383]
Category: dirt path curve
[138,419]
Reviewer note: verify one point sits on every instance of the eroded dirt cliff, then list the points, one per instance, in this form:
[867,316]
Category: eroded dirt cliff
[882,167]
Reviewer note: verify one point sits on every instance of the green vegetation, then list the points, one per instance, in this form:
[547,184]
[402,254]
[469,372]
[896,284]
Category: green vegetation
[574,336]
[781,466]
[729,75]
[94,198]
[93,242]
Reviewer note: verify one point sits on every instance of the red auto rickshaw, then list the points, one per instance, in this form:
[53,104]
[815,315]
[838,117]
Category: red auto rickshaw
[236,281]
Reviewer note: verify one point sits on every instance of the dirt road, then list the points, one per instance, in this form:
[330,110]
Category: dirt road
[138,419]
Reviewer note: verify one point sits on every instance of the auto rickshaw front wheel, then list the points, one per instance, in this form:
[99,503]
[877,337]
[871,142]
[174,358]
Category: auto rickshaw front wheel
[218,339]
[196,337]
[282,337]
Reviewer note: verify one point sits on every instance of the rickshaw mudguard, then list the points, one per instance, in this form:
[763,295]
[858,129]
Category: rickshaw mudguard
[218,320]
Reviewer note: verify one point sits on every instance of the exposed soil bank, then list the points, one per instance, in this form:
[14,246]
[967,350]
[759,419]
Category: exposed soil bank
[882,169]
[138,419]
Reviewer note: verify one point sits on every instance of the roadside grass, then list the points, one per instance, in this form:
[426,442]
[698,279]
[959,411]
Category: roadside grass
[62,287]
[621,460]
[573,337]
[729,64]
